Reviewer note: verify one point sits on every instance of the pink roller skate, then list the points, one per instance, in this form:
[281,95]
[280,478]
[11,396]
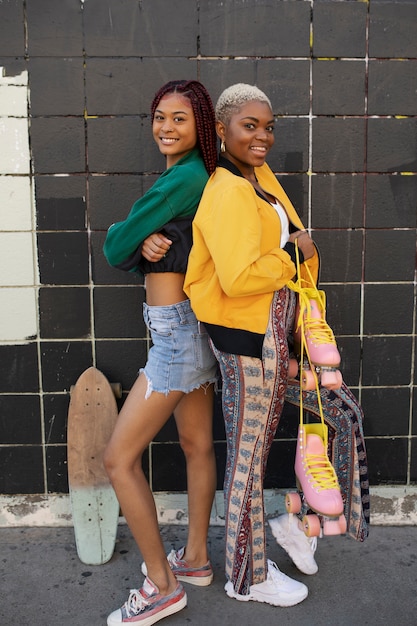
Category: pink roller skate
[317,483]
[316,341]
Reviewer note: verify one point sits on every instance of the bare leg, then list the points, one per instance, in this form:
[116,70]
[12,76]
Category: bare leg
[194,418]
[138,423]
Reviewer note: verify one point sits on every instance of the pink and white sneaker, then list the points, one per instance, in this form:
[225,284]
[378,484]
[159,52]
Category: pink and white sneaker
[199,576]
[146,606]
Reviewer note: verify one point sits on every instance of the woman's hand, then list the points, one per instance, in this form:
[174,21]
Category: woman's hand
[155,247]
[305,243]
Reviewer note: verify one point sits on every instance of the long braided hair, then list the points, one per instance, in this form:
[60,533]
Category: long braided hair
[203,111]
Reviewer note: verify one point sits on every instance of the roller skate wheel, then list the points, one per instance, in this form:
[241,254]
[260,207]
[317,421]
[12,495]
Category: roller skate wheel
[342,524]
[334,525]
[293,502]
[293,368]
[331,379]
[311,525]
[308,380]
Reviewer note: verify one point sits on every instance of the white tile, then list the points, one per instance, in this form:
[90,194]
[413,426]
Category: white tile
[18,314]
[13,101]
[16,259]
[14,142]
[15,203]
[20,79]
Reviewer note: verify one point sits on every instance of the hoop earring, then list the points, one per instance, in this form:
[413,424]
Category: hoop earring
[222,146]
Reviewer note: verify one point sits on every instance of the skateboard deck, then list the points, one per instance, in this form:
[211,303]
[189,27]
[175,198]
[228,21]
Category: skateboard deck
[92,415]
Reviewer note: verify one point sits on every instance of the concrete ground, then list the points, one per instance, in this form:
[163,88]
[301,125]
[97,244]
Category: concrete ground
[43,583]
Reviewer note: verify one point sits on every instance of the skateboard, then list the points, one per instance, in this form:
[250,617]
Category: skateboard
[92,415]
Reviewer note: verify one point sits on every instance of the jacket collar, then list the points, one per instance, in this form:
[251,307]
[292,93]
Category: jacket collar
[231,167]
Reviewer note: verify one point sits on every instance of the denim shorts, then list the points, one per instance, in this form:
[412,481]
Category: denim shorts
[180,358]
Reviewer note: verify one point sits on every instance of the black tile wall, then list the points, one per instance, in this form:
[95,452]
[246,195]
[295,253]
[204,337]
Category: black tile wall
[121,359]
[386,410]
[63,258]
[19,368]
[341,255]
[391,201]
[20,419]
[339,87]
[102,273]
[110,318]
[226,71]
[220,452]
[337,201]
[58,145]
[64,312]
[350,349]
[394,266]
[393,29]
[56,469]
[296,187]
[387,459]
[342,77]
[12,42]
[343,308]
[131,29]
[279,27]
[60,213]
[128,85]
[62,362]
[339,29]
[413,471]
[287,83]
[21,470]
[290,152]
[54,29]
[56,86]
[169,471]
[388,309]
[338,144]
[109,196]
[392,87]
[387,360]
[55,409]
[280,468]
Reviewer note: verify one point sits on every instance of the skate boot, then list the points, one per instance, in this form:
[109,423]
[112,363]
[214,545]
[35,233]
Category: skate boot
[318,484]
[316,339]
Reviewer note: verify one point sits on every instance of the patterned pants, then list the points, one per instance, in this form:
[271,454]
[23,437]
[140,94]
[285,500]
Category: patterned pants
[253,395]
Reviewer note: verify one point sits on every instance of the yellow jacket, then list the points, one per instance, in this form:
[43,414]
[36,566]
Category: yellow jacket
[236,263]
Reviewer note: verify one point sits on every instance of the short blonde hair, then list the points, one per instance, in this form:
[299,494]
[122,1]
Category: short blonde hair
[234,97]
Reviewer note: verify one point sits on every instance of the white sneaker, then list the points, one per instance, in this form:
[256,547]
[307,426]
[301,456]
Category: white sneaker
[298,546]
[278,589]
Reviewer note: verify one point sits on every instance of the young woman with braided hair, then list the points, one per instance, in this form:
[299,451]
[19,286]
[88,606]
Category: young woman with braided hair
[179,376]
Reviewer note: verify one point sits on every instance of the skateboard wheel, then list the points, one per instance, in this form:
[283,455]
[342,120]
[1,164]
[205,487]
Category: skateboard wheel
[308,380]
[117,389]
[292,502]
[311,525]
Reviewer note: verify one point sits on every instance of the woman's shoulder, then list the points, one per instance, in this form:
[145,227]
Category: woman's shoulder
[189,168]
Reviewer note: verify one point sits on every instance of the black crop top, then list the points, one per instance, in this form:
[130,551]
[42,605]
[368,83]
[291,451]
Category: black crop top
[175,260]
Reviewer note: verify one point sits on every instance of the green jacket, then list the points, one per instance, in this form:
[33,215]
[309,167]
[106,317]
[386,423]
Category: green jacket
[173,196]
